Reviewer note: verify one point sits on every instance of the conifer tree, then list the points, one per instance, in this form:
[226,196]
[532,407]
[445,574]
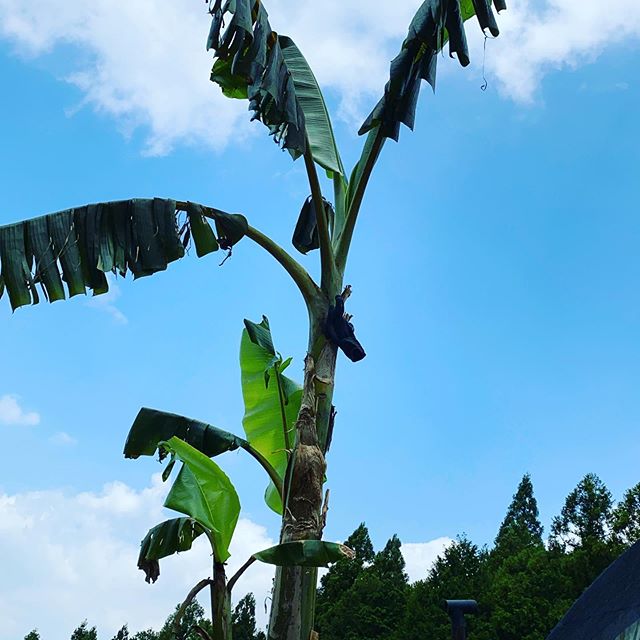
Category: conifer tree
[84,633]
[521,526]
[32,635]
[585,519]
[123,633]
[341,576]
[244,620]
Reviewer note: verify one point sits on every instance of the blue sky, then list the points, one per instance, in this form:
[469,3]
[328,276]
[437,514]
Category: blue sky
[495,274]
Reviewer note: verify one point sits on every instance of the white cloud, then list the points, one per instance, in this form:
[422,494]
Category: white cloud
[107,301]
[11,413]
[74,555]
[63,439]
[539,38]
[420,556]
[144,64]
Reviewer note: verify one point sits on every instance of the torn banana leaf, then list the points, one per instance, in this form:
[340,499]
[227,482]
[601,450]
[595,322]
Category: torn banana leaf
[271,402]
[165,539]
[152,427]
[304,553]
[435,23]
[77,247]
[255,63]
[203,492]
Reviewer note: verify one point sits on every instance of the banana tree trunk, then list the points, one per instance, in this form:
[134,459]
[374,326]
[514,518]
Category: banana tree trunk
[294,591]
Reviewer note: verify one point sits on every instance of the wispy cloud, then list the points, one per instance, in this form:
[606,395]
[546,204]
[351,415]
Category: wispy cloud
[63,439]
[12,413]
[107,301]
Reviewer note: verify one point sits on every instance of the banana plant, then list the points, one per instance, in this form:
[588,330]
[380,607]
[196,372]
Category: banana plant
[206,496]
[68,252]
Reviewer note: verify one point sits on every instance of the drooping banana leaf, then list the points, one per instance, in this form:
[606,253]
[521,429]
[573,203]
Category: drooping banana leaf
[165,539]
[204,492]
[152,427]
[271,402]
[435,23]
[304,553]
[255,63]
[79,246]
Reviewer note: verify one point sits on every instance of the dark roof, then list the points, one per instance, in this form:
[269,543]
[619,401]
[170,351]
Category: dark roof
[608,606]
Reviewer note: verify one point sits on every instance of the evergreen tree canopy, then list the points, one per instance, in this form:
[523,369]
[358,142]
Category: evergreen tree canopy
[123,634]
[32,635]
[585,519]
[84,633]
[521,526]
[244,620]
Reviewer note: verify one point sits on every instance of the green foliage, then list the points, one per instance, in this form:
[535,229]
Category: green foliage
[363,601]
[204,492]
[585,519]
[304,553]
[165,539]
[152,427]
[32,635]
[626,517]
[138,235]
[271,401]
[244,620]
[435,22]
[122,634]
[324,148]
[521,526]
[193,614]
[84,633]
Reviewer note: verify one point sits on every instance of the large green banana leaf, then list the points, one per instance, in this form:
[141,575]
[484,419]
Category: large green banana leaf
[435,23]
[271,401]
[304,553]
[79,246]
[165,539]
[316,115]
[152,427]
[204,492]
[253,62]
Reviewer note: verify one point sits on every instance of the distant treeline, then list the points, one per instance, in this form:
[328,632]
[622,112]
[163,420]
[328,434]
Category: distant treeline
[523,583]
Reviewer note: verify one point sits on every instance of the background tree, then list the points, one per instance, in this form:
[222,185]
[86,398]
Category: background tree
[521,526]
[626,517]
[122,634]
[83,632]
[244,620]
[32,635]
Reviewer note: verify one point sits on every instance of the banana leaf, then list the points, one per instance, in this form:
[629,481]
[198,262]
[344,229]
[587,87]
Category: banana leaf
[254,63]
[435,23]
[304,553]
[152,427]
[316,115]
[77,247]
[271,401]
[203,492]
[165,539]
